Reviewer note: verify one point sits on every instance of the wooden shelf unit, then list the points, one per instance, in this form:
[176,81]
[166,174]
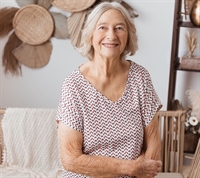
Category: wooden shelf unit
[175,59]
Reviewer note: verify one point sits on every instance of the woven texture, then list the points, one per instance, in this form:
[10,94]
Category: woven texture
[73,6]
[34,56]
[75,25]
[169,175]
[33,24]
[31,144]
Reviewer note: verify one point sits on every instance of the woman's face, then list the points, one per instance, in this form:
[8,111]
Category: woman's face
[110,35]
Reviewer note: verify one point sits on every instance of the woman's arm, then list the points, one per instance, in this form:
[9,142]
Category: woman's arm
[98,166]
[152,141]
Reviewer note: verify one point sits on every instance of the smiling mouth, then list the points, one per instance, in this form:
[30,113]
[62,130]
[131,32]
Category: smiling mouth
[109,45]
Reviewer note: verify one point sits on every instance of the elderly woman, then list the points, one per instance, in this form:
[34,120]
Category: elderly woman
[107,106]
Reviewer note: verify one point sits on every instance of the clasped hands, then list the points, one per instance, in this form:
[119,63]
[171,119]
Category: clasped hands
[147,168]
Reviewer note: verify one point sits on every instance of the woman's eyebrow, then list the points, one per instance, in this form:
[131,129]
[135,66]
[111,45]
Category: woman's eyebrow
[102,23]
[122,24]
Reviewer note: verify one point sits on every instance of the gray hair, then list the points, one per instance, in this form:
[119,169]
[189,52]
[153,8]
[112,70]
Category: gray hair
[85,47]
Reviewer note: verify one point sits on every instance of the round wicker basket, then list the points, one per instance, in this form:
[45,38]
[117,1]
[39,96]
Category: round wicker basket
[73,6]
[33,24]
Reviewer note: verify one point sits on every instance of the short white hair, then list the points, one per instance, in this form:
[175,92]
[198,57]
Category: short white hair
[86,48]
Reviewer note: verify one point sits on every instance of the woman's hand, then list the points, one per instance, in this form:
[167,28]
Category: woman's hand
[147,168]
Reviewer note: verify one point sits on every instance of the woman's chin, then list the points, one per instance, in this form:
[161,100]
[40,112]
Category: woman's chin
[110,55]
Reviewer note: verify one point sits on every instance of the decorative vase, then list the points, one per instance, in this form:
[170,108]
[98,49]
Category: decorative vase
[195,13]
[190,142]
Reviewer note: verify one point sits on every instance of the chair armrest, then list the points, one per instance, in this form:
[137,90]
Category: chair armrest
[2,111]
[1,141]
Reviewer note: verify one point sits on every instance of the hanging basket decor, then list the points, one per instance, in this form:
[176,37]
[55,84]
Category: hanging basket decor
[73,6]
[31,26]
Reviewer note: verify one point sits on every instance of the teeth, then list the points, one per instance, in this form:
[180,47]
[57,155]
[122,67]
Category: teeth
[110,45]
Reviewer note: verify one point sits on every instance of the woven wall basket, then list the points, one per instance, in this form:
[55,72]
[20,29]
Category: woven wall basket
[34,56]
[73,5]
[33,24]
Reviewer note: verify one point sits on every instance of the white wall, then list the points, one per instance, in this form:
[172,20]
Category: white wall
[41,87]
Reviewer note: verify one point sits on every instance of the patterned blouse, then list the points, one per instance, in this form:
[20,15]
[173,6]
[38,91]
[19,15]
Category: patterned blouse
[113,129]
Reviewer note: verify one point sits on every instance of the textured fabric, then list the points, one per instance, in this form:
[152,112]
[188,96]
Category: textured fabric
[169,175]
[31,144]
[113,129]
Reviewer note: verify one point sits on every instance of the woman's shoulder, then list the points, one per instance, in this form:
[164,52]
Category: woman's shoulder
[72,78]
[138,69]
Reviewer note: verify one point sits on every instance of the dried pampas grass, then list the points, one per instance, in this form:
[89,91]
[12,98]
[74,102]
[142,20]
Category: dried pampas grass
[6,18]
[191,42]
[10,63]
[188,6]
[194,98]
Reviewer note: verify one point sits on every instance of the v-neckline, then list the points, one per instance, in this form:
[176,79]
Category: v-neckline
[102,95]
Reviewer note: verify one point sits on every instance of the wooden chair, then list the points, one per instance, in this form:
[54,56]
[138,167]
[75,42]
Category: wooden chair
[2,111]
[195,166]
[169,175]
[171,125]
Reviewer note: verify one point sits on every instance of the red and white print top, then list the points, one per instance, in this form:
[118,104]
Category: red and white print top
[113,129]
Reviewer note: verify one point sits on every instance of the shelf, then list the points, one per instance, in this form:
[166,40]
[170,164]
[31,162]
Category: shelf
[175,63]
[189,63]
[177,66]
[188,70]
[187,25]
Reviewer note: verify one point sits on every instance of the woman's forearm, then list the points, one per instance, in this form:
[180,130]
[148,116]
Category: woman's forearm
[152,141]
[74,160]
[99,166]
[154,151]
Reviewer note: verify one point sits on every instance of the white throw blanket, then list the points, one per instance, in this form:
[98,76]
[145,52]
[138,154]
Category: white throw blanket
[31,144]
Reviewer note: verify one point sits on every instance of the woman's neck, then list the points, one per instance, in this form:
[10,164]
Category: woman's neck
[106,67]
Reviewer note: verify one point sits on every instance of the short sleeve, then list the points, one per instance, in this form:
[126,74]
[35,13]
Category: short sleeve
[150,102]
[67,111]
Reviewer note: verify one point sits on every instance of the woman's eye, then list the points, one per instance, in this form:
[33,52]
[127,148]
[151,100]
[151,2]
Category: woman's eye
[101,28]
[119,28]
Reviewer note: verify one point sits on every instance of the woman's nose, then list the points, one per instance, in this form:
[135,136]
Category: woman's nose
[111,34]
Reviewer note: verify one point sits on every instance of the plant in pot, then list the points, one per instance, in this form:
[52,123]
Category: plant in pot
[192,123]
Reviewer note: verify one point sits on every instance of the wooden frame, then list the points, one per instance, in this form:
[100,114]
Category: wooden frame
[195,166]
[2,111]
[171,125]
